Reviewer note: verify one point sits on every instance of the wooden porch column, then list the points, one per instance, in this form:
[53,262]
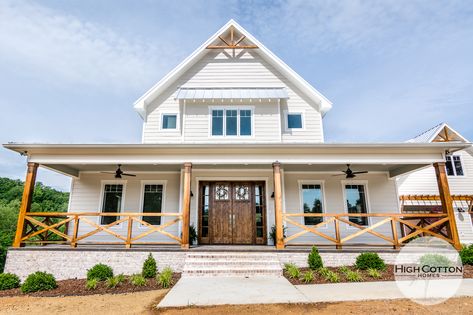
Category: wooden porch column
[186,205]
[28,191]
[447,202]
[278,205]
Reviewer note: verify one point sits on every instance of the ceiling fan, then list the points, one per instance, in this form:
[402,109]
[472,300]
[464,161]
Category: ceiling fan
[349,173]
[119,173]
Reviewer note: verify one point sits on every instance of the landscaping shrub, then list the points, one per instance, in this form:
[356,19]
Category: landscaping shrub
[344,269]
[289,265]
[9,281]
[353,276]
[293,271]
[314,260]
[192,234]
[138,280]
[165,277]
[100,272]
[323,271]
[466,255]
[332,277]
[149,267]
[308,276]
[435,260]
[39,281]
[369,260]
[272,234]
[113,282]
[91,284]
[373,273]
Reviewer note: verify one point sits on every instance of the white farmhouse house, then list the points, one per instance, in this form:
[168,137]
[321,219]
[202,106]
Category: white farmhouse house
[459,169]
[232,145]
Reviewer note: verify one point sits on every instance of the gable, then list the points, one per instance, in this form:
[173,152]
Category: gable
[232,40]
[440,133]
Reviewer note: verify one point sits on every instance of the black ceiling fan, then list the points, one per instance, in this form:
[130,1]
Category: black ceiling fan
[119,173]
[349,173]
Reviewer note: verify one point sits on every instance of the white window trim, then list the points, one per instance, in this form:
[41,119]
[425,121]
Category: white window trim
[232,107]
[142,198]
[161,121]
[453,165]
[301,198]
[286,121]
[367,199]
[122,206]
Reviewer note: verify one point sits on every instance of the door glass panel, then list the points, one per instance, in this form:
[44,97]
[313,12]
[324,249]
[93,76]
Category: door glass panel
[231,121]
[205,210]
[312,203]
[259,204]
[152,202]
[356,202]
[242,192]
[221,192]
[112,202]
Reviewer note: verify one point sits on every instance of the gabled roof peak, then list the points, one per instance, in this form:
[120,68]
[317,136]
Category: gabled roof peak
[439,133]
[246,40]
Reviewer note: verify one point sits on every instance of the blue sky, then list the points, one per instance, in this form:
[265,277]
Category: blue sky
[71,70]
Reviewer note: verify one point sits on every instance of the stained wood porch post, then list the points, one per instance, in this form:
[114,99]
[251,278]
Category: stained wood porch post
[25,206]
[447,202]
[186,205]
[278,205]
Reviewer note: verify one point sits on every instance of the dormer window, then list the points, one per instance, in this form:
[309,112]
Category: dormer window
[294,120]
[454,166]
[231,121]
[169,122]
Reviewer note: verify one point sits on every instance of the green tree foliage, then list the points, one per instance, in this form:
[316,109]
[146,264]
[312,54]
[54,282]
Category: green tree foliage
[44,199]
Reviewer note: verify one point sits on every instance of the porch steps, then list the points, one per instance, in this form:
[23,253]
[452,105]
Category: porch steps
[244,264]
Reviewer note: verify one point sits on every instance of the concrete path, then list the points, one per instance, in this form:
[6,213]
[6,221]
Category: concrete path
[230,290]
[268,290]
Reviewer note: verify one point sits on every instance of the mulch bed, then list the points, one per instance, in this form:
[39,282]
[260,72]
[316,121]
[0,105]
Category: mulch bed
[387,275]
[76,287]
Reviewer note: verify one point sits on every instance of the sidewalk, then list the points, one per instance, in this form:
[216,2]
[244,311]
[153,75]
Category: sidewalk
[203,291]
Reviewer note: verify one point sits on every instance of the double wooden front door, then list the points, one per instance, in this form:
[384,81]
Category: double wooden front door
[232,213]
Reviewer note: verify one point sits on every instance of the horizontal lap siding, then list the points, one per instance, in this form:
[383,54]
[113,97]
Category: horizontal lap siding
[425,181]
[382,199]
[217,70]
[85,197]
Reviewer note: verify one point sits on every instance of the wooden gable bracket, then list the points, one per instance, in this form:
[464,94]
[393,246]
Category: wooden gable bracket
[232,44]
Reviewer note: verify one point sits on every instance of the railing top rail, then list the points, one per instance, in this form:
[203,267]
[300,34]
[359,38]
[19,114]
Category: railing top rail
[104,214]
[402,215]
[435,197]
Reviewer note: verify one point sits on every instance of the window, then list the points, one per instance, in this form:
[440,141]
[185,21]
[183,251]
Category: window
[169,121]
[453,164]
[294,121]
[259,205]
[231,122]
[356,202]
[112,202]
[312,203]
[205,210]
[152,202]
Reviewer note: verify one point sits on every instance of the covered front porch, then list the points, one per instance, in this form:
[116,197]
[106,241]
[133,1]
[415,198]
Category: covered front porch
[266,196]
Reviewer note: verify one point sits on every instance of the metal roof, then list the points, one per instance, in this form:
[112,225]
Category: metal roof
[231,93]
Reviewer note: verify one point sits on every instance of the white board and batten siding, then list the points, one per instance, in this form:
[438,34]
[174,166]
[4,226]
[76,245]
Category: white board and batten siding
[217,69]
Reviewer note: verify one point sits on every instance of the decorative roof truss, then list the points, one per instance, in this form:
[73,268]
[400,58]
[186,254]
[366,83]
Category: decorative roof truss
[231,43]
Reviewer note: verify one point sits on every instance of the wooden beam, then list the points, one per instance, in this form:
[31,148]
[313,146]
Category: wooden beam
[447,202]
[28,191]
[186,205]
[278,205]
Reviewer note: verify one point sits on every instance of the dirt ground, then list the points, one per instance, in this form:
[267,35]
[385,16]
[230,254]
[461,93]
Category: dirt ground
[145,302]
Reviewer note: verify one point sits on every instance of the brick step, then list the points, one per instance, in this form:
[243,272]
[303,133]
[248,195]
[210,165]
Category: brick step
[232,256]
[231,263]
[232,272]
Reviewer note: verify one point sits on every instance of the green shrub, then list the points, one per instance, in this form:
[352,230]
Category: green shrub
[149,267]
[323,271]
[288,266]
[373,273]
[435,260]
[353,276]
[466,255]
[272,234]
[39,281]
[138,280]
[9,281]
[91,284]
[369,260]
[314,260]
[293,271]
[308,276]
[192,234]
[100,272]
[113,282]
[344,269]
[165,277]
[332,277]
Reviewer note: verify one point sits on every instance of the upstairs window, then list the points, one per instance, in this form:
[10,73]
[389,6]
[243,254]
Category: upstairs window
[454,166]
[294,121]
[169,121]
[231,122]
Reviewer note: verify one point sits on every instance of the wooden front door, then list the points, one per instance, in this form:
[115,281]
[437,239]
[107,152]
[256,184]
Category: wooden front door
[232,213]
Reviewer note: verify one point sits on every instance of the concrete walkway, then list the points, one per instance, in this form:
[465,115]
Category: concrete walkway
[269,290]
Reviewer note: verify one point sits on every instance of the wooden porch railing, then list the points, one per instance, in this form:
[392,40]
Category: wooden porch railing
[436,222]
[459,201]
[40,226]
